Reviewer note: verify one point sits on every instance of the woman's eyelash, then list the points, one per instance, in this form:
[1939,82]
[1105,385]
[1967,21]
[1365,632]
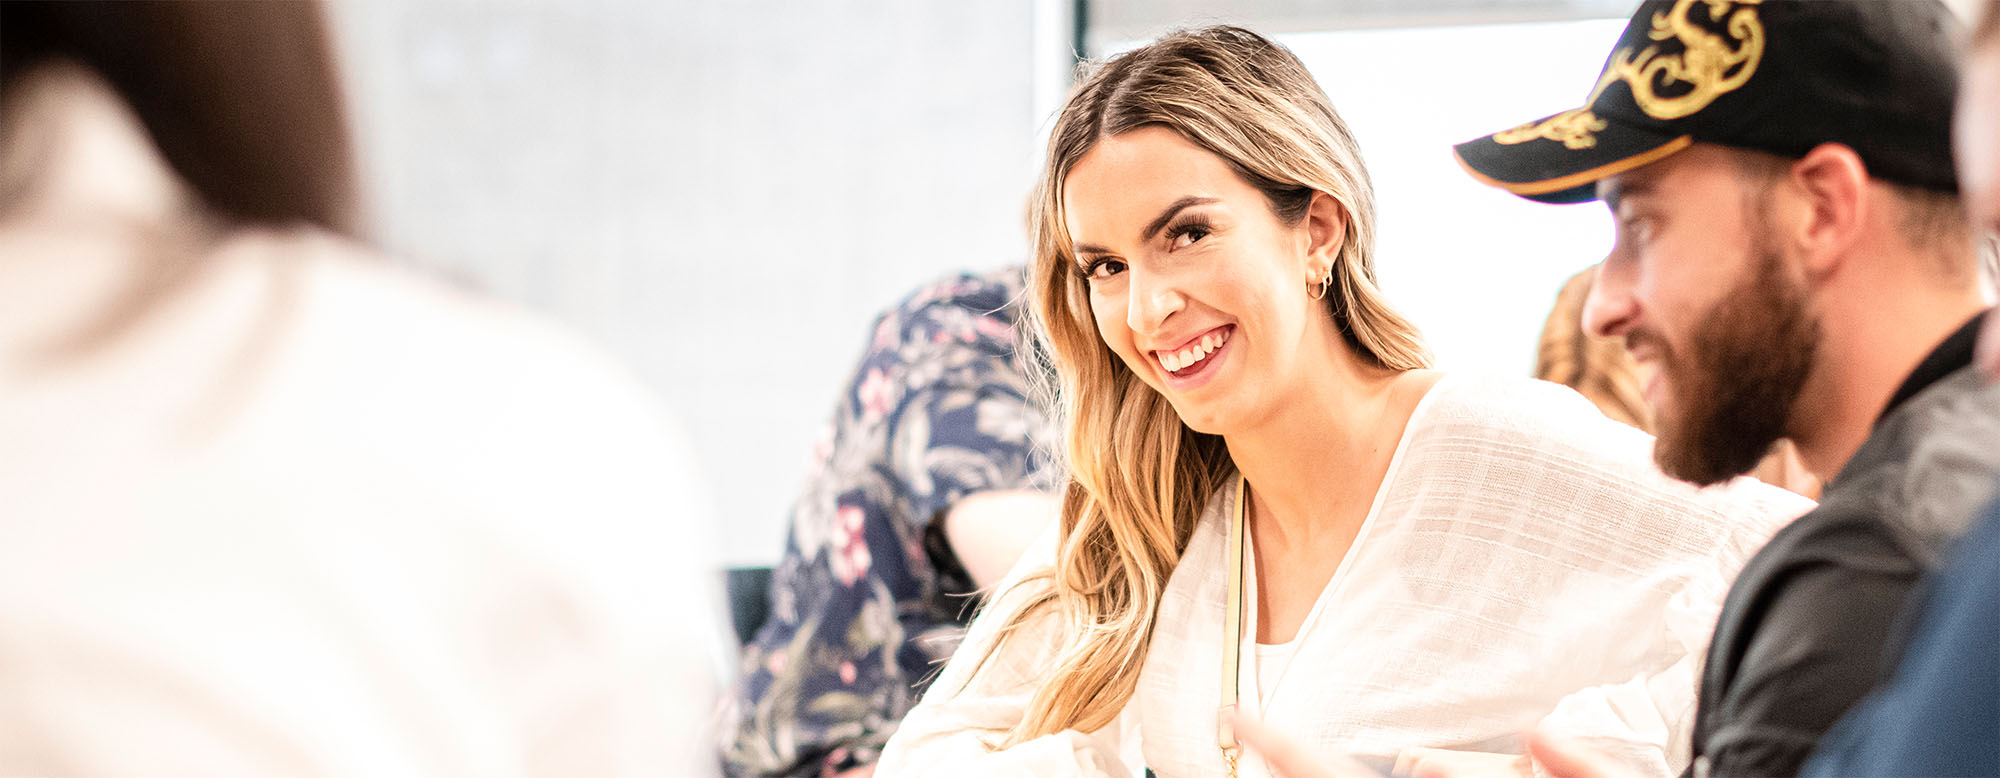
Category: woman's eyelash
[1189,225]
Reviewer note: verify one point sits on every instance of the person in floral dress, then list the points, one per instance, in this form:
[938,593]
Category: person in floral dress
[870,598]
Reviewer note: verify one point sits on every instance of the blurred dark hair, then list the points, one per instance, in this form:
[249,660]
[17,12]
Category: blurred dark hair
[242,98]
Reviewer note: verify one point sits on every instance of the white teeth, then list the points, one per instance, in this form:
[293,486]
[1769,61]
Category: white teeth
[1176,361]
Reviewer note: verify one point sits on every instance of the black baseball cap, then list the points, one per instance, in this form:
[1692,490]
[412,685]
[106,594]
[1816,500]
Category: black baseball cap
[1778,76]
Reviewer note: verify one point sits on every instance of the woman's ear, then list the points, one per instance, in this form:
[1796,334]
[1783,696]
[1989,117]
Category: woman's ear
[1326,233]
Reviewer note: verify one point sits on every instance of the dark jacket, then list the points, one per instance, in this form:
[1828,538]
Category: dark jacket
[1806,630]
[1941,714]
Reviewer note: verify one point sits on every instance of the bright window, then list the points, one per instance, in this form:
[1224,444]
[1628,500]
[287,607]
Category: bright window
[1475,267]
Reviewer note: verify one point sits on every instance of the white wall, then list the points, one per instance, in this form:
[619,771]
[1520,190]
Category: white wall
[722,193]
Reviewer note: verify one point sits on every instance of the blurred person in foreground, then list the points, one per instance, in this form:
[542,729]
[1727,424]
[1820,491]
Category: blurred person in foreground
[1792,255]
[925,487]
[273,506]
[1600,369]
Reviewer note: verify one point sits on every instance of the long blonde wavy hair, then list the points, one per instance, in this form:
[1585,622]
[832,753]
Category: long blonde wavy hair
[1139,476]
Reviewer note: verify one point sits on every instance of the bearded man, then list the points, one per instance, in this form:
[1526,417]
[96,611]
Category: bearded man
[1792,260]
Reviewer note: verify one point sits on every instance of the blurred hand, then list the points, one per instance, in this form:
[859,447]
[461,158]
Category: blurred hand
[1563,757]
[990,530]
[1442,763]
[1290,759]
[1559,757]
[1986,351]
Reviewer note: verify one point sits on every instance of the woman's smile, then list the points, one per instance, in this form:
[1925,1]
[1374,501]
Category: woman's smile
[1193,364]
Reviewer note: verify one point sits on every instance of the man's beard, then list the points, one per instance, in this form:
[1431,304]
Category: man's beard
[1734,390]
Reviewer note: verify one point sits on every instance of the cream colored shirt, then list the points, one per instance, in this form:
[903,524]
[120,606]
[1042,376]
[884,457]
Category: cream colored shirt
[1523,562]
[311,515]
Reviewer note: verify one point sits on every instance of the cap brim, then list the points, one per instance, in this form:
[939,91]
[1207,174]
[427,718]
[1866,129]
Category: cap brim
[1549,170]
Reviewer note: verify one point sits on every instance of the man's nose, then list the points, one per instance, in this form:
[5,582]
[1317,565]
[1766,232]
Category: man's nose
[1610,309]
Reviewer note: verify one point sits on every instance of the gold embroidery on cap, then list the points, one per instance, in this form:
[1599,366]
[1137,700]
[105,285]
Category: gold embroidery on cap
[1707,64]
[1575,128]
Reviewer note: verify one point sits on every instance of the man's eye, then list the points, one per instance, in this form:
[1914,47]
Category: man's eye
[1638,228]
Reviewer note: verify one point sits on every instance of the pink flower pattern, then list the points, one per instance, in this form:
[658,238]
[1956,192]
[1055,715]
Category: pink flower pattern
[850,555]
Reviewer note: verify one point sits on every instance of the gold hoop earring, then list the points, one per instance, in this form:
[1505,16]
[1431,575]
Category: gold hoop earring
[1324,282]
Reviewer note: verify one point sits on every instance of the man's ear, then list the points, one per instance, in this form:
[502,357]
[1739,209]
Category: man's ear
[1833,184]
[1326,233]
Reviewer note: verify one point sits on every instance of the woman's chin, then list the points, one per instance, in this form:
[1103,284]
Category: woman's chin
[1205,420]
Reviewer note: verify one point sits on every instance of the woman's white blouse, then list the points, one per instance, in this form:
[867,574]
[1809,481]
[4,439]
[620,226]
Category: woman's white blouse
[1524,562]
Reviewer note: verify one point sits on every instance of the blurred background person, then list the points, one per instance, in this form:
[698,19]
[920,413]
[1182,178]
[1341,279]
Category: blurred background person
[1601,370]
[924,490]
[272,506]
[1597,368]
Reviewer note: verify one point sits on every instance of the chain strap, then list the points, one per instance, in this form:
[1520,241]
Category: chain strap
[1232,647]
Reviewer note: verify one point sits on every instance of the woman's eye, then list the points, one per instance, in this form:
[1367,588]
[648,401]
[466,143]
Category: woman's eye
[1101,269]
[1188,236]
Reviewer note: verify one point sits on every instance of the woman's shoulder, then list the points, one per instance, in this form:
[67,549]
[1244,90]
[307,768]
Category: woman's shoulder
[1528,431]
[1525,411]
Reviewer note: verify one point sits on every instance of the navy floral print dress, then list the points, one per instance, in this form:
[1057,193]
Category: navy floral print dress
[868,600]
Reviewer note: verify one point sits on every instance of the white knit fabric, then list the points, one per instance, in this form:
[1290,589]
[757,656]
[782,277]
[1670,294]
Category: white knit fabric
[1523,561]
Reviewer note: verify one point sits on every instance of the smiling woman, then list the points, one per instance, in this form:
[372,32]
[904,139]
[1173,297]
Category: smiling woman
[1167,298]
[1275,506]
